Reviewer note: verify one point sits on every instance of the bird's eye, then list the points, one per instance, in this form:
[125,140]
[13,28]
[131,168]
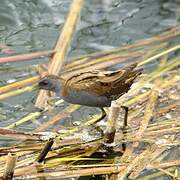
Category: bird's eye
[44,83]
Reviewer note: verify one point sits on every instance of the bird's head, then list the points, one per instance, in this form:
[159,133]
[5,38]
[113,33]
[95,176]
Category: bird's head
[51,83]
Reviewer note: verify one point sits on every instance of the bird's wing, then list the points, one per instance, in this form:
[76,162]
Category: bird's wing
[103,83]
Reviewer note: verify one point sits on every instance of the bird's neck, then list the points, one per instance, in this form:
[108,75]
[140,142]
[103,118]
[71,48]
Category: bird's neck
[57,88]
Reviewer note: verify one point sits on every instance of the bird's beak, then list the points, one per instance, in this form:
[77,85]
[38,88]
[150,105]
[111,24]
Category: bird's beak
[35,87]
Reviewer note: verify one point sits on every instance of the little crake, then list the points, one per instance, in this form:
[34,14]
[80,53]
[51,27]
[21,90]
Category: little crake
[92,88]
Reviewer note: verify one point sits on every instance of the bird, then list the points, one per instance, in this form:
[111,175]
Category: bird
[95,88]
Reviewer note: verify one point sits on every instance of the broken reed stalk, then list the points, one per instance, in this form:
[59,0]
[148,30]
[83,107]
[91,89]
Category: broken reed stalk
[111,123]
[45,151]
[61,47]
[9,168]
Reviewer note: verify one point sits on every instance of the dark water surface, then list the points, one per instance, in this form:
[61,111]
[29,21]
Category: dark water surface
[33,25]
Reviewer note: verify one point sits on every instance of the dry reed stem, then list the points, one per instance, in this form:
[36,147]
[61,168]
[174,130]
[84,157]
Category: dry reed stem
[22,171]
[18,84]
[29,117]
[165,85]
[17,92]
[157,174]
[31,147]
[153,165]
[166,123]
[153,152]
[18,135]
[156,126]
[31,169]
[21,148]
[163,131]
[161,37]
[160,55]
[61,47]
[9,168]
[135,161]
[169,163]
[152,135]
[6,49]
[25,57]
[168,108]
[168,173]
[149,112]
[76,173]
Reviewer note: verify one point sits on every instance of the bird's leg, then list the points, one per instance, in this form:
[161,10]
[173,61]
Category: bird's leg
[125,124]
[103,115]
